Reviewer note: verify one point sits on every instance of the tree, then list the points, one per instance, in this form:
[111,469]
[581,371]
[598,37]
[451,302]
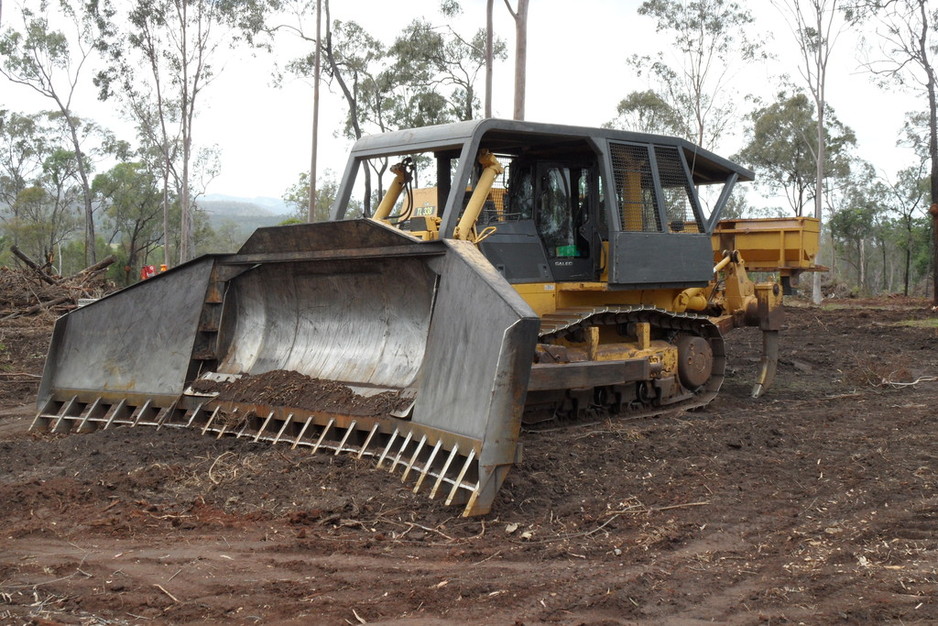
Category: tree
[854,223]
[427,57]
[648,112]
[133,205]
[489,54]
[326,190]
[51,64]
[782,144]
[815,25]
[907,36]
[177,41]
[520,15]
[709,39]
[24,144]
[349,56]
[45,211]
[907,196]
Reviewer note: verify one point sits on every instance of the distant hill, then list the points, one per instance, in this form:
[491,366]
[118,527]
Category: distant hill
[246,214]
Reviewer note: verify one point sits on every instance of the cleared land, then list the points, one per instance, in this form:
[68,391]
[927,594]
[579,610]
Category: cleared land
[816,503]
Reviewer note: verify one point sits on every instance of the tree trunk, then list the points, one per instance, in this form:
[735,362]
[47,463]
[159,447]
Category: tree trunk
[85,187]
[908,265]
[521,54]
[31,264]
[489,55]
[317,71]
[819,193]
[166,261]
[930,87]
[863,266]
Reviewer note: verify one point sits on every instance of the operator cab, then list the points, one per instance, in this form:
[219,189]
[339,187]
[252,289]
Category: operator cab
[550,203]
[549,227]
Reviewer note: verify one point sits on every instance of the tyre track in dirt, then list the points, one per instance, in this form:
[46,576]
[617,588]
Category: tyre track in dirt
[816,503]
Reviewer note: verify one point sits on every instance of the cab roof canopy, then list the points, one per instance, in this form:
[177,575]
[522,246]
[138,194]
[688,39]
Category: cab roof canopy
[518,137]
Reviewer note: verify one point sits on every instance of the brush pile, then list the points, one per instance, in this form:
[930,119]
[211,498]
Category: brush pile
[31,289]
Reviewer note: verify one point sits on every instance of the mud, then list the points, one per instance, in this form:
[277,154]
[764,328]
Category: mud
[817,503]
[292,389]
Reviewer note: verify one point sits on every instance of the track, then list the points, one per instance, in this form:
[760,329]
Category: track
[665,325]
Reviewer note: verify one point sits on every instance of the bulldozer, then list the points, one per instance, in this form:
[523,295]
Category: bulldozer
[509,273]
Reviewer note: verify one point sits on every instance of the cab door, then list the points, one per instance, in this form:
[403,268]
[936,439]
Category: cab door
[565,217]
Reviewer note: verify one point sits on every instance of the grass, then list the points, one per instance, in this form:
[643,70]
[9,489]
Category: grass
[931,322]
[836,306]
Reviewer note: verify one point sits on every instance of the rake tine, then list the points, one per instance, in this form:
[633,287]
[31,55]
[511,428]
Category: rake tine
[224,427]
[166,414]
[88,413]
[65,409]
[413,459]
[302,432]
[195,413]
[472,500]
[283,427]
[263,426]
[462,474]
[40,416]
[439,479]
[114,411]
[388,448]
[209,422]
[427,465]
[368,440]
[397,459]
[247,421]
[323,435]
[348,432]
[140,411]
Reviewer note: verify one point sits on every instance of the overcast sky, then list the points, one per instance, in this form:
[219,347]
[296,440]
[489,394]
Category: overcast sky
[577,73]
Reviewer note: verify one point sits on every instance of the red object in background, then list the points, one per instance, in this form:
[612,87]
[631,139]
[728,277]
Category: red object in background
[147,271]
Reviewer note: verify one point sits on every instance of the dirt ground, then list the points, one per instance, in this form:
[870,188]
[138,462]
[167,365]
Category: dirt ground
[817,503]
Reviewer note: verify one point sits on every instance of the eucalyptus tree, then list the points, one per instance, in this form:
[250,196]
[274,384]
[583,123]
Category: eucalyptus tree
[327,187]
[520,15]
[45,210]
[178,44]
[53,63]
[429,57]
[908,197]
[856,212]
[905,40]
[647,112]
[815,25]
[782,145]
[132,201]
[708,43]
[24,143]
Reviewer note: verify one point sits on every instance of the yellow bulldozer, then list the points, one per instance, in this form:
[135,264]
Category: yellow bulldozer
[511,272]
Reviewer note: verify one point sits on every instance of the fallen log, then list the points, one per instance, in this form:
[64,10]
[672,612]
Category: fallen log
[94,269]
[32,264]
[42,306]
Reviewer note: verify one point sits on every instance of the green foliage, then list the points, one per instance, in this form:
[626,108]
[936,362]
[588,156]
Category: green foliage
[782,144]
[225,239]
[24,143]
[297,197]
[132,202]
[50,63]
[427,75]
[708,38]
[647,112]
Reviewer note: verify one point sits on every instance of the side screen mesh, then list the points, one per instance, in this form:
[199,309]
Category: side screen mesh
[677,204]
[635,188]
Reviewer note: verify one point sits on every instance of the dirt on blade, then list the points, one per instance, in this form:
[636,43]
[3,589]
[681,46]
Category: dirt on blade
[295,390]
[816,503]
